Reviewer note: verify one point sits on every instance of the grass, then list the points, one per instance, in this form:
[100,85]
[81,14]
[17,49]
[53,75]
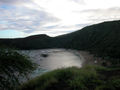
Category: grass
[73,78]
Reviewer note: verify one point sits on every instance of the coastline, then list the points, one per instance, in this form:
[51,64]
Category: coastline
[90,59]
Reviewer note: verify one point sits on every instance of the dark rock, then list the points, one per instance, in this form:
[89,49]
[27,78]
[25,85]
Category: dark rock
[44,55]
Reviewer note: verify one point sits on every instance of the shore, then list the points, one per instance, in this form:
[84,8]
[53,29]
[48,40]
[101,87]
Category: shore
[90,59]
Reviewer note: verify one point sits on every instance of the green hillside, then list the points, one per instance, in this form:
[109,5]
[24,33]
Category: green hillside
[102,39]
[85,78]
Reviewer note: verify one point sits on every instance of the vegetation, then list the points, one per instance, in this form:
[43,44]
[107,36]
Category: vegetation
[102,39]
[86,78]
[12,66]
[31,42]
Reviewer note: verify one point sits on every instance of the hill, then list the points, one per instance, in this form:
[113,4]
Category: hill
[102,39]
[31,42]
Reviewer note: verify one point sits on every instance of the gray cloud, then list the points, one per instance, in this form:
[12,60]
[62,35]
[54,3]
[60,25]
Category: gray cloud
[100,15]
[32,18]
[24,19]
[105,15]
[13,1]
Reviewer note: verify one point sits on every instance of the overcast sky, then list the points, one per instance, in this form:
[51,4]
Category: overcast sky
[20,18]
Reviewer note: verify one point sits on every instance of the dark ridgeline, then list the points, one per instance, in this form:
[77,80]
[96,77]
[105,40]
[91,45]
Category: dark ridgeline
[103,39]
[31,42]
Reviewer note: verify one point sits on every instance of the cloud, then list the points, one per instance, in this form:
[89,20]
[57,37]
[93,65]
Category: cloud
[55,17]
[13,1]
[24,19]
[100,15]
[79,1]
[101,4]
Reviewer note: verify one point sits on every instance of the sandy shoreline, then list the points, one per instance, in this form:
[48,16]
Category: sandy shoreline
[90,59]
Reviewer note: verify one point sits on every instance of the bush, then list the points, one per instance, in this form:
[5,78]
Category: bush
[72,78]
[12,66]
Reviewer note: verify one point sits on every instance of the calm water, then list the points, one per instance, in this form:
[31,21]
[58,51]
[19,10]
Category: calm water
[57,58]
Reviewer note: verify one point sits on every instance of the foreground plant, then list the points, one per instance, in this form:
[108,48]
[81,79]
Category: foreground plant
[86,78]
[13,66]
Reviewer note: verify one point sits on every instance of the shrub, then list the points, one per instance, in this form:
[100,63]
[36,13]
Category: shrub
[72,78]
[12,66]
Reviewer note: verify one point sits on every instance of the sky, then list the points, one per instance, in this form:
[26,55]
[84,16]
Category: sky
[21,18]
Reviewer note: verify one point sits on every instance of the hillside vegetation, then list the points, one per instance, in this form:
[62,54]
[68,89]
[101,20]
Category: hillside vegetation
[86,78]
[101,39]
[13,66]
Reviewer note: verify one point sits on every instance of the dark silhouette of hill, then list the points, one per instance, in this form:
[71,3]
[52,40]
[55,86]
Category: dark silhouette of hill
[31,42]
[103,39]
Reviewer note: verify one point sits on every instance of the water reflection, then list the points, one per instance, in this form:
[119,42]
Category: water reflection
[57,58]
[60,59]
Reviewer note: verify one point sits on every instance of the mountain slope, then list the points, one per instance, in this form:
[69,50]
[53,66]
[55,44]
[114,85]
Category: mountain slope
[103,39]
[31,42]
